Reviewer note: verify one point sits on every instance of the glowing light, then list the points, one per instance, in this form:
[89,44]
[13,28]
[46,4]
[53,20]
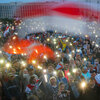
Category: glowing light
[0,22]
[78,50]
[45,77]
[23,63]
[93,42]
[54,40]
[70,44]
[58,55]
[45,57]
[84,59]
[14,52]
[74,70]
[54,72]
[48,39]
[16,33]
[97,45]
[59,36]
[1,61]
[68,73]
[67,40]
[34,61]
[0,51]
[70,55]
[86,36]
[83,84]
[44,70]
[8,65]
[14,49]
[14,37]
[73,51]
[36,51]
[37,37]
[10,47]
[19,48]
[22,54]
[96,36]
[39,67]
[57,46]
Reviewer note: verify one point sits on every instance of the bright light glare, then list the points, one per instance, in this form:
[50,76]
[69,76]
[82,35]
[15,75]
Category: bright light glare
[44,70]
[23,63]
[68,74]
[45,57]
[74,70]
[45,77]
[97,45]
[57,46]
[84,59]
[73,51]
[54,40]
[10,47]
[96,35]
[58,55]
[66,40]
[70,44]
[14,37]
[78,50]
[39,67]
[48,39]
[83,84]
[70,55]
[1,61]
[86,36]
[54,72]
[0,51]
[8,65]
[34,62]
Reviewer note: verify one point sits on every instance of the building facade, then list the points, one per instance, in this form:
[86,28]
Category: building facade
[7,10]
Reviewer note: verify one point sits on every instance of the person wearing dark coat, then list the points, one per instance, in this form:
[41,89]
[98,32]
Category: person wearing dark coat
[91,91]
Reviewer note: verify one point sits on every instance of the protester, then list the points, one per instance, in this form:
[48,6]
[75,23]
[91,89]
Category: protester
[61,78]
[63,94]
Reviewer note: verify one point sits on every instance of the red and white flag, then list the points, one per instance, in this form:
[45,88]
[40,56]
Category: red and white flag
[73,17]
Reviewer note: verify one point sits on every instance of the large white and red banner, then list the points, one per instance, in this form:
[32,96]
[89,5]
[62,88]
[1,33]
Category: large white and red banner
[61,16]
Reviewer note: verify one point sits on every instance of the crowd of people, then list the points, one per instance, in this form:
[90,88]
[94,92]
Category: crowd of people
[70,76]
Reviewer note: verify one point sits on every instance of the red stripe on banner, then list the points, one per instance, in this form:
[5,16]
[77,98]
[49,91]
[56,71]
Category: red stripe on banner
[78,11]
[66,9]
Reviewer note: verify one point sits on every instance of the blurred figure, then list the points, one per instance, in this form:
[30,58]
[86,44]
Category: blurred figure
[61,78]
[11,88]
[63,94]
[52,89]
[50,71]
[33,90]
[30,73]
[86,74]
